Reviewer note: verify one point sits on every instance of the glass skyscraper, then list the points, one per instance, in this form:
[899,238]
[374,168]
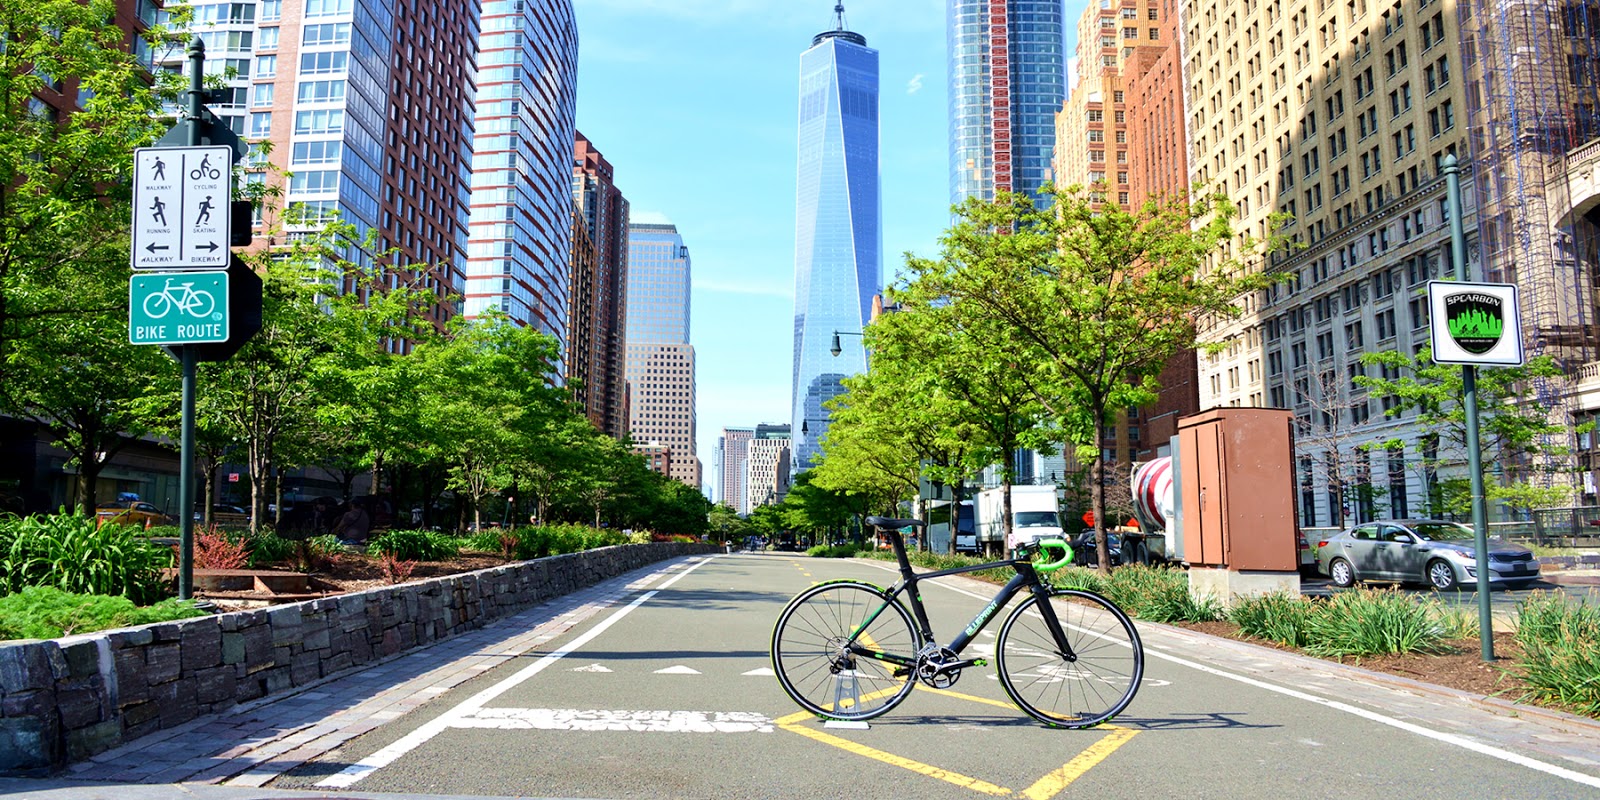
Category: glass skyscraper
[660,359]
[1006,85]
[838,234]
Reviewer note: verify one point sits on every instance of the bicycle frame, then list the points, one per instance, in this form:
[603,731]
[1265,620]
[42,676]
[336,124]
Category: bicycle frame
[1026,577]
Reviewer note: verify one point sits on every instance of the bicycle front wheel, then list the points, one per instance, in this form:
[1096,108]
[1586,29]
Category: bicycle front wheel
[1086,683]
[814,660]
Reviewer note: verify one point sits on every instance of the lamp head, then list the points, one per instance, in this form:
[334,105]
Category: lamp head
[835,348]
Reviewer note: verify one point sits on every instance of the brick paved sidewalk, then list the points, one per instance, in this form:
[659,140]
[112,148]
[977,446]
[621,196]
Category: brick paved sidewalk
[253,743]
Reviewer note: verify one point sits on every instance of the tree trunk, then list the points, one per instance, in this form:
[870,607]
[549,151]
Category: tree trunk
[1097,495]
[260,461]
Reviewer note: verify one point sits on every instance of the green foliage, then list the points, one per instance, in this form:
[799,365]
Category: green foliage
[1159,594]
[1367,622]
[46,612]
[835,551]
[71,553]
[1560,641]
[325,546]
[1511,431]
[406,545]
[267,547]
[1080,578]
[1276,617]
[165,531]
[530,542]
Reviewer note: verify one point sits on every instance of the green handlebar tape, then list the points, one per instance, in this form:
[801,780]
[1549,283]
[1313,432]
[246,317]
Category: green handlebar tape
[1052,566]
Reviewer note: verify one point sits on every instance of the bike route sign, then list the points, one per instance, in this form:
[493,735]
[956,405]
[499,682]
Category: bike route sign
[178,308]
[180,207]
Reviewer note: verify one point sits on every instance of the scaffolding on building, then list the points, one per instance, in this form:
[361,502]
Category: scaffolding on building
[1531,94]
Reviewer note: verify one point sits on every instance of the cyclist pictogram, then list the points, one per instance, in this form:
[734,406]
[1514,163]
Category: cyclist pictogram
[181,297]
[205,170]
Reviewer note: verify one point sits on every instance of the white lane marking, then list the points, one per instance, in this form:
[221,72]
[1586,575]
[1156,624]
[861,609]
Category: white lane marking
[764,672]
[1439,736]
[405,744]
[678,670]
[572,719]
[591,668]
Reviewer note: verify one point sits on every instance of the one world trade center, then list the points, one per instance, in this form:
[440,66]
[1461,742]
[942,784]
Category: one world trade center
[838,235]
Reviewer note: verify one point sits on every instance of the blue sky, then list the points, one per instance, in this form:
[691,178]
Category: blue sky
[694,104]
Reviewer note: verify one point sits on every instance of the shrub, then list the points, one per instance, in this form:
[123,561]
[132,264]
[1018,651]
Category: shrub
[45,612]
[1082,578]
[216,550]
[73,554]
[550,540]
[1276,617]
[1560,651]
[848,550]
[414,545]
[396,570]
[325,546]
[1159,594]
[267,547]
[1368,622]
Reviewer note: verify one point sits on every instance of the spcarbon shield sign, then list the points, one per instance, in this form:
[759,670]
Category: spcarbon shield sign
[1475,323]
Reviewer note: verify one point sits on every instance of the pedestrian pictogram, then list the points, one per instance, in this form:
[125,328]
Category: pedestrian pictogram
[175,192]
[178,308]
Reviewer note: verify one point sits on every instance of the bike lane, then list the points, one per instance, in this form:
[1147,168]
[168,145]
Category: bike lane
[676,697]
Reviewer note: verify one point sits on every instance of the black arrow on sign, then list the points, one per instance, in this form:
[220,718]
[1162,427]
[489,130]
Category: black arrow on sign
[210,247]
[152,247]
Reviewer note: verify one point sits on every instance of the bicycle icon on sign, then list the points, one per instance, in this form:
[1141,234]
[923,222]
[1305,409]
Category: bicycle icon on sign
[183,298]
[205,170]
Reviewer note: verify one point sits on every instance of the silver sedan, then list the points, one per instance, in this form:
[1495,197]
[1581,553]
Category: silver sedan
[1440,554]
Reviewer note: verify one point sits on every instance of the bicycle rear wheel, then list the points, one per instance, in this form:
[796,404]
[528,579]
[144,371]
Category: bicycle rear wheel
[1092,685]
[812,657]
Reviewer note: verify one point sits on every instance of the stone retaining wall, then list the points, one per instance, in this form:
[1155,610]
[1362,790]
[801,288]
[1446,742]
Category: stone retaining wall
[64,700]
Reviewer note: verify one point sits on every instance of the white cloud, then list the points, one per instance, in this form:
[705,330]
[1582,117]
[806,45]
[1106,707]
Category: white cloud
[915,84]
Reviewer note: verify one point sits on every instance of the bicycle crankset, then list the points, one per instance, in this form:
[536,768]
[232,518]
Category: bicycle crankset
[939,667]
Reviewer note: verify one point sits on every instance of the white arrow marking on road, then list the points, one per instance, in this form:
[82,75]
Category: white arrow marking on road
[572,719]
[591,668]
[765,672]
[678,670]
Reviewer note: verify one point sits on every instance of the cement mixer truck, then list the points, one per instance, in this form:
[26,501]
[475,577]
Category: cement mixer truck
[1154,504]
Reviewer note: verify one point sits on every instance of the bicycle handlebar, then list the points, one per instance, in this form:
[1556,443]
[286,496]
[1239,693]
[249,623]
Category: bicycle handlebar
[1041,545]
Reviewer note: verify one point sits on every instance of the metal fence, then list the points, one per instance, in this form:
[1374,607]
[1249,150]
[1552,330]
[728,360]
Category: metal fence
[1578,526]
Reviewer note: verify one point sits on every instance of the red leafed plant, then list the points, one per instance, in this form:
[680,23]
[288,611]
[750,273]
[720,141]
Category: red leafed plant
[396,570]
[213,550]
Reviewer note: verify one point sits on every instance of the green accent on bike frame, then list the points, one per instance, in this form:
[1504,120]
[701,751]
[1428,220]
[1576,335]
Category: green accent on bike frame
[178,307]
[1052,566]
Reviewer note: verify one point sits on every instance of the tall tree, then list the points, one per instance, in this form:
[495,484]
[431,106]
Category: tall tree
[1515,432]
[1087,300]
[65,178]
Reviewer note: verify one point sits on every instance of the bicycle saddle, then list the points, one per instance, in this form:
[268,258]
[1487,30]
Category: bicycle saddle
[886,522]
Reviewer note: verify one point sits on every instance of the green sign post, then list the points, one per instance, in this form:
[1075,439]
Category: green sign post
[178,308]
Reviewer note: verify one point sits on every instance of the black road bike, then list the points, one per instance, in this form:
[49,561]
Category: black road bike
[849,650]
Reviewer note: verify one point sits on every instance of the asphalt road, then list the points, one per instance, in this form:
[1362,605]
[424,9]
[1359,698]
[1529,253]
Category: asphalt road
[669,693]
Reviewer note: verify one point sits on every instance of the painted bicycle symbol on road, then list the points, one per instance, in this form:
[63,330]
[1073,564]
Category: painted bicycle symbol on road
[180,297]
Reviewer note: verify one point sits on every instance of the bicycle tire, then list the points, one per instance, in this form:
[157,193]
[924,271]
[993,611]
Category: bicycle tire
[816,671]
[1093,688]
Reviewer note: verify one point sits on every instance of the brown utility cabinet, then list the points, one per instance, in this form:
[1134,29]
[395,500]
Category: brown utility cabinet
[1238,489]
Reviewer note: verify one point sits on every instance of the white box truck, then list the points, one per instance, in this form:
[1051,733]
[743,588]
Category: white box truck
[1035,514]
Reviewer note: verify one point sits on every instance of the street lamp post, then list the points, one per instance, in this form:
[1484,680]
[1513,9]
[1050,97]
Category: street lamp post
[835,348]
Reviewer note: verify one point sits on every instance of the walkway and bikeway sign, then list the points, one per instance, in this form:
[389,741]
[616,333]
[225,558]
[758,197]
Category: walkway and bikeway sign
[181,197]
[178,308]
